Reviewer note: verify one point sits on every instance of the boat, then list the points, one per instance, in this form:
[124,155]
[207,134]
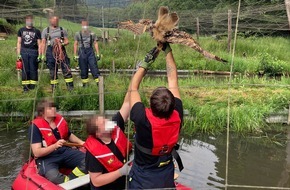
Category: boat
[29,179]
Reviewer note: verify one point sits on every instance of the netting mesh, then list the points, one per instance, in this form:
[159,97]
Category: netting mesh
[265,20]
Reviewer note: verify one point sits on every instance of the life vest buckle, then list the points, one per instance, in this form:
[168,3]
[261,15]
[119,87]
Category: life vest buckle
[164,150]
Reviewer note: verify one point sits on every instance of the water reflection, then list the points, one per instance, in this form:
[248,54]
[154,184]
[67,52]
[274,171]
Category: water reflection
[200,161]
[252,161]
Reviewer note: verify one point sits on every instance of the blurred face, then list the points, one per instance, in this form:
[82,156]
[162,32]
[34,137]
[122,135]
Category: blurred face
[85,25]
[54,21]
[50,111]
[102,131]
[29,21]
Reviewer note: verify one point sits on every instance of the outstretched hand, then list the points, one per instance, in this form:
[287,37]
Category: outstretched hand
[126,168]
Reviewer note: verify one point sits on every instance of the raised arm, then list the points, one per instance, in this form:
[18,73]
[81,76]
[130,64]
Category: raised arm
[134,86]
[171,72]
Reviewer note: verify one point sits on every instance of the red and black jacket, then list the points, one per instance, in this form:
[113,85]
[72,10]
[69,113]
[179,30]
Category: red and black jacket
[104,155]
[46,131]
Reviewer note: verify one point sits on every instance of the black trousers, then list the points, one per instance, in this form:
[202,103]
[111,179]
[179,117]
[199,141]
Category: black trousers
[63,157]
[30,67]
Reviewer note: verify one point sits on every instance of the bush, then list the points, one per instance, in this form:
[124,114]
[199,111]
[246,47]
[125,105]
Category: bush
[271,66]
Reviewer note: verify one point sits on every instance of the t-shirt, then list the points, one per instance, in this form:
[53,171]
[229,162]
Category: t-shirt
[86,39]
[144,132]
[29,37]
[53,33]
[93,165]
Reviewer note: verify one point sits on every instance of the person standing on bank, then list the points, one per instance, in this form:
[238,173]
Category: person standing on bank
[84,44]
[157,129]
[28,50]
[54,40]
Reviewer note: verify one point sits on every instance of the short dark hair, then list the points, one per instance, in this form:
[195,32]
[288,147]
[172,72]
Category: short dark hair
[162,102]
[29,16]
[91,126]
[42,104]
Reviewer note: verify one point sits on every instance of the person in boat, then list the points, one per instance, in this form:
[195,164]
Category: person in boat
[28,50]
[157,129]
[85,42]
[54,42]
[48,134]
[108,150]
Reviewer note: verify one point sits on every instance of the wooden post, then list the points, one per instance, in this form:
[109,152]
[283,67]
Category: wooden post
[229,30]
[287,5]
[113,67]
[103,19]
[101,95]
[197,28]
[288,122]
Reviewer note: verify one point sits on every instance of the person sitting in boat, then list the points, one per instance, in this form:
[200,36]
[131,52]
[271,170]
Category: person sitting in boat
[157,129]
[108,150]
[48,134]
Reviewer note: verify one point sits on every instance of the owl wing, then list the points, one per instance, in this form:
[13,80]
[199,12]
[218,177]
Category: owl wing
[179,37]
[138,28]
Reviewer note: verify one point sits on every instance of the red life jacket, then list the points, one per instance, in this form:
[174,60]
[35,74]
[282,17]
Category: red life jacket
[104,155]
[46,130]
[165,133]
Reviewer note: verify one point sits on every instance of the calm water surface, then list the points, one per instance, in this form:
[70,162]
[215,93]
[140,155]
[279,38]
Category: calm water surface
[252,161]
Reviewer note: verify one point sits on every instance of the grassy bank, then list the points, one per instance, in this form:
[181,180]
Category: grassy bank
[206,100]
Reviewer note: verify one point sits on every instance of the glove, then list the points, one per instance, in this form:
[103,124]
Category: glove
[39,59]
[76,58]
[125,170]
[18,57]
[42,57]
[166,48]
[98,57]
[149,58]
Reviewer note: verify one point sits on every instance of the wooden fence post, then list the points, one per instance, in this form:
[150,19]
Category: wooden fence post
[197,28]
[113,67]
[288,122]
[101,95]
[229,30]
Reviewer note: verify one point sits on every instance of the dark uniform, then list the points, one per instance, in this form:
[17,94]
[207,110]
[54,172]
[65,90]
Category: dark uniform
[50,35]
[147,171]
[87,58]
[29,54]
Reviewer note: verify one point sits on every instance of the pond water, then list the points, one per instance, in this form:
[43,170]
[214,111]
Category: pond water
[252,161]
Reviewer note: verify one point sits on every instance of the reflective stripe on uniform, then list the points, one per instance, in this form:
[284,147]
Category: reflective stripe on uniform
[97,79]
[77,172]
[59,122]
[69,80]
[104,155]
[117,135]
[85,80]
[54,82]
[25,82]
[33,82]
